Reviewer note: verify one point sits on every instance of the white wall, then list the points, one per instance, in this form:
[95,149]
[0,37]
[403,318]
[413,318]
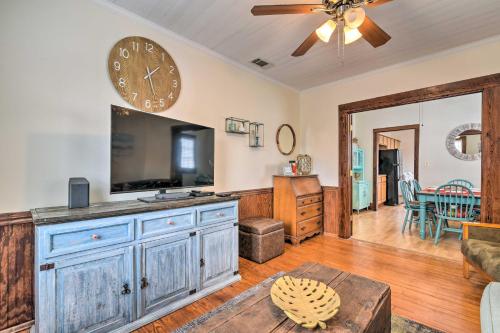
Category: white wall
[55,97]
[437,119]
[319,105]
[406,148]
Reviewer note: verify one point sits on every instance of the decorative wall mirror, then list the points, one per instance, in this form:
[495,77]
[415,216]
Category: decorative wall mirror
[464,142]
[285,139]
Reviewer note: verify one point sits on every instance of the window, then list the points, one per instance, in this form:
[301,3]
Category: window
[187,153]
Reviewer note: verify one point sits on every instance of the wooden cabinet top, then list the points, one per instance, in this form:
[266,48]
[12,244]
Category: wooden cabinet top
[116,208]
[298,176]
[298,185]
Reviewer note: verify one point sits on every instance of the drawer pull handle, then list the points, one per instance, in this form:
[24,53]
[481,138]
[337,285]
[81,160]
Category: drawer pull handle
[95,237]
[221,214]
[303,228]
[303,213]
[126,290]
[170,222]
[144,283]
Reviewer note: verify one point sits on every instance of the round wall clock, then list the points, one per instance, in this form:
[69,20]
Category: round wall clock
[144,74]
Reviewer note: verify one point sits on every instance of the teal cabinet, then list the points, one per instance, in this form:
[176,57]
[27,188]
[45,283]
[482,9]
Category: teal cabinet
[360,195]
[166,272]
[360,192]
[358,158]
[91,293]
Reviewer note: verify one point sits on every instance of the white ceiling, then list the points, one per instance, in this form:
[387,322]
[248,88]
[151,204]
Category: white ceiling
[418,28]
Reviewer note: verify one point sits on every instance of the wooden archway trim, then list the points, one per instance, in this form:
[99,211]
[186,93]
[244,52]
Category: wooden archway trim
[489,86]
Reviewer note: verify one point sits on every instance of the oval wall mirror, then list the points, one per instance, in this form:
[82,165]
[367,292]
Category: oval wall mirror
[464,142]
[285,139]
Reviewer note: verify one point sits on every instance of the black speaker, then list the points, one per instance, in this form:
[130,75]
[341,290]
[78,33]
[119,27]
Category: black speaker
[78,193]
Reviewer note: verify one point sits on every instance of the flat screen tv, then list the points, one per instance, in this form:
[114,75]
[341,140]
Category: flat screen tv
[150,152]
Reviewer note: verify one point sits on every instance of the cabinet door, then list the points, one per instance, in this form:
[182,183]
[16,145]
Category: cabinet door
[91,293]
[355,156]
[355,195]
[219,254]
[166,272]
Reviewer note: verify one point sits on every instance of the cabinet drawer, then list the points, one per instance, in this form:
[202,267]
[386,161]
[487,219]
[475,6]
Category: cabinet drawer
[217,213]
[303,201]
[306,212]
[71,237]
[310,225]
[163,222]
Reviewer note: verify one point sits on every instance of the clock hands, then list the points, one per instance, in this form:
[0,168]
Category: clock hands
[148,77]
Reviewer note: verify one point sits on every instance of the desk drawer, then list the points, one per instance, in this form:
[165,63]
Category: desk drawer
[307,226]
[303,201]
[217,213]
[71,237]
[164,222]
[306,212]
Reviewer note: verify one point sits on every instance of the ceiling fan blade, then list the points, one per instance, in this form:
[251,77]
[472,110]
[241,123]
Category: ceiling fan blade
[373,34]
[306,45]
[285,9]
[377,3]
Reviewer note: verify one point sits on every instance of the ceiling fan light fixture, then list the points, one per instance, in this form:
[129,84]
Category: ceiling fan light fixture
[354,17]
[326,30]
[351,35]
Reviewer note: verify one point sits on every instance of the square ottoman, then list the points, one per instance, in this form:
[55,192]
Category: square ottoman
[261,239]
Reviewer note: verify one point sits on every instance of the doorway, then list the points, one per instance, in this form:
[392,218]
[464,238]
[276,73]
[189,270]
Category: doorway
[381,141]
[488,86]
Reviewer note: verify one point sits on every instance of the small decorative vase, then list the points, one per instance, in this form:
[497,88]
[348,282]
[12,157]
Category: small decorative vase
[304,164]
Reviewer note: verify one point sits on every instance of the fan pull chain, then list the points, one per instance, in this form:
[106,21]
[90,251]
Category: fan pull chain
[340,47]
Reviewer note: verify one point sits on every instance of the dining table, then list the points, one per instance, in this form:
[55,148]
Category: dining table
[427,194]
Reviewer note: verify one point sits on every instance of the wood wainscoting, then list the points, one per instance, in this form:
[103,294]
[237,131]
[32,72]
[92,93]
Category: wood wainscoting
[331,210]
[255,203]
[16,272]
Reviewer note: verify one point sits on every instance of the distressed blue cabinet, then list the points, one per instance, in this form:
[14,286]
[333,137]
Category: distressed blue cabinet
[166,271]
[219,255]
[91,293]
[117,274]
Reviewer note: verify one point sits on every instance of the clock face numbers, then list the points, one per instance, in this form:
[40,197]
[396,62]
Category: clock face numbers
[144,74]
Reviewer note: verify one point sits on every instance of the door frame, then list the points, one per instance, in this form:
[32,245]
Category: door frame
[416,149]
[488,86]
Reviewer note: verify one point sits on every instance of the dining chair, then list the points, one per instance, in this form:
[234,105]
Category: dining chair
[412,206]
[415,186]
[463,182]
[453,203]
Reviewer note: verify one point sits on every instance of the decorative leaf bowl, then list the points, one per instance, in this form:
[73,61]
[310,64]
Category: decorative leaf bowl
[307,302]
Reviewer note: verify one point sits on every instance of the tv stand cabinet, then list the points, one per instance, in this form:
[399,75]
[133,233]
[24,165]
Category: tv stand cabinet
[115,267]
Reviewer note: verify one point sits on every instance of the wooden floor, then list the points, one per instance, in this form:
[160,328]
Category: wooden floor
[384,227]
[426,289]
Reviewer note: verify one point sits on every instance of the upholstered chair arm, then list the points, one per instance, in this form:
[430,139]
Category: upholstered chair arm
[482,231]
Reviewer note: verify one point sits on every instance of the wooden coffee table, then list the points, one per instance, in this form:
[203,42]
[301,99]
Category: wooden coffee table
[365,307]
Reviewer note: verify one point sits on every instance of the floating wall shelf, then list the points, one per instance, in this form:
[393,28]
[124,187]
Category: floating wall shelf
[237,125]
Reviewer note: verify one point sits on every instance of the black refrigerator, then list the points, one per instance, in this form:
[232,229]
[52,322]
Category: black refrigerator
[390,164]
